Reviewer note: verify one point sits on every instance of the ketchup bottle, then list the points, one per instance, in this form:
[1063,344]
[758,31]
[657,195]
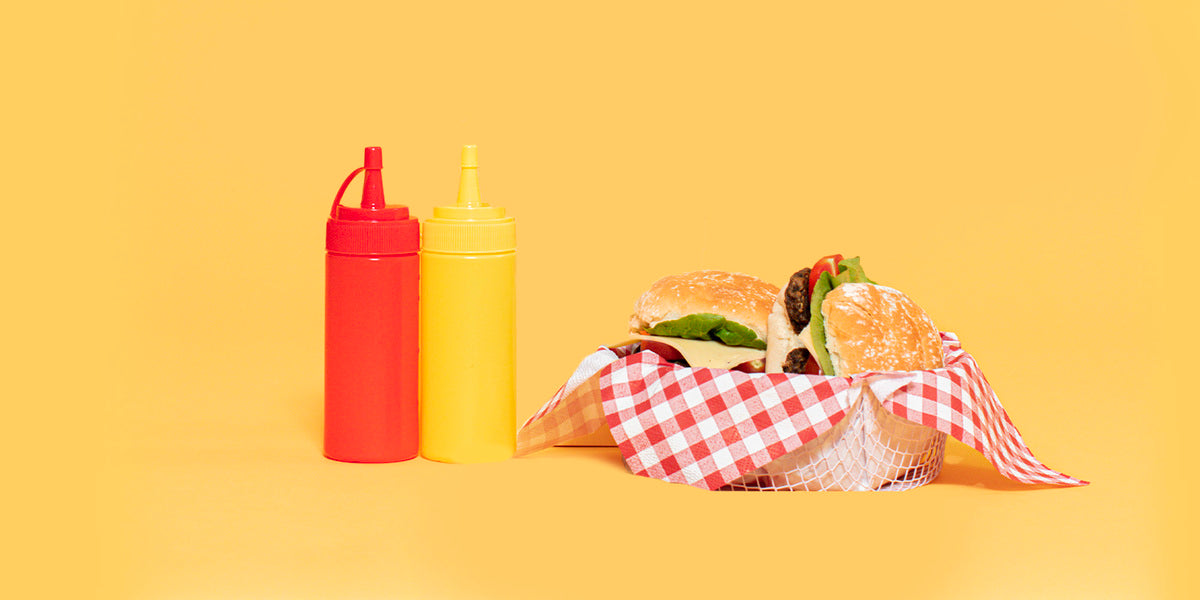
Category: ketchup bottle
[371,316]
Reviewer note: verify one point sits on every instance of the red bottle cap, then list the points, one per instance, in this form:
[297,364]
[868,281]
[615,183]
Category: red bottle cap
[373,229]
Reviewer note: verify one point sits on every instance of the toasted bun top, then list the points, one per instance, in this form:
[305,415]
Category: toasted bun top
[740,298]
[875,328]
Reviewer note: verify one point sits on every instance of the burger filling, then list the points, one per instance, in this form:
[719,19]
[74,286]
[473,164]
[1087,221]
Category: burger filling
[709,327]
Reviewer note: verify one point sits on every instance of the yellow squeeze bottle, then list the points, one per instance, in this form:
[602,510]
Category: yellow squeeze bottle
[468,323]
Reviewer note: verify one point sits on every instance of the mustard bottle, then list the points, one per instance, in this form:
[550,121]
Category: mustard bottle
[468,323]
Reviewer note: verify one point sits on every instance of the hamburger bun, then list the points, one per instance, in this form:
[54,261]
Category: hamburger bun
[871,327]
[743,299]
[784,341]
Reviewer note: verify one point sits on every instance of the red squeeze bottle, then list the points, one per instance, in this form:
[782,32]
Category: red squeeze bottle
[371,317]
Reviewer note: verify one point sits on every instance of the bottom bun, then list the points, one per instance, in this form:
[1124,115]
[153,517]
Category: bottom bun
[782,338]
[869,449]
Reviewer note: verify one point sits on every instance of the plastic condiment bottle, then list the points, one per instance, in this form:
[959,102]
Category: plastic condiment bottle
[371,318]
[468,321]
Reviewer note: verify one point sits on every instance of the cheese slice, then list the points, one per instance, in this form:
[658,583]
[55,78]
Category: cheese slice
[804,338]
[701,353]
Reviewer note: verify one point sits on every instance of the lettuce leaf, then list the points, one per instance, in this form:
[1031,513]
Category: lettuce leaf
[849,271]
[816,323]
[707,326]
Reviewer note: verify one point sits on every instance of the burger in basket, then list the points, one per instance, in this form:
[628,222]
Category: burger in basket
[830,320]
[832,383]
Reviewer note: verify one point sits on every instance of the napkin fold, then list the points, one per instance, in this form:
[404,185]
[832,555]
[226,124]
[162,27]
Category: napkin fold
[708,427]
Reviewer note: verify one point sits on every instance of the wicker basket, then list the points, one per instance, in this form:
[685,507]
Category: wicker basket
[869,449]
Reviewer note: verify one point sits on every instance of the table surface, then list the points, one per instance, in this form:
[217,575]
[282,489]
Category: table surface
[258,512]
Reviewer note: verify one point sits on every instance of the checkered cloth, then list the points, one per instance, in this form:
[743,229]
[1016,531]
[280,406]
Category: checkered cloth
[707,427]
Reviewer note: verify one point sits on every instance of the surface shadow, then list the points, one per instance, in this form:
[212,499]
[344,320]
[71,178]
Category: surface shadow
[609,455]
[966,467]
[963,466]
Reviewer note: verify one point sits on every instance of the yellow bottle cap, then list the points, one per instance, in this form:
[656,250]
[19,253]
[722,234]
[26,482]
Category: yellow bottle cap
[471,226]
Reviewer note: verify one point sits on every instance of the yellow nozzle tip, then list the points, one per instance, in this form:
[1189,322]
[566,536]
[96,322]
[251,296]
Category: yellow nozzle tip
[470,156]
[468,182]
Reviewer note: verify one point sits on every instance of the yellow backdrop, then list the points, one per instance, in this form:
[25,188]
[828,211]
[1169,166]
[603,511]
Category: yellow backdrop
[1024,170]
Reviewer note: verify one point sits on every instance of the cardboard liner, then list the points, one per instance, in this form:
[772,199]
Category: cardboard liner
[870,449]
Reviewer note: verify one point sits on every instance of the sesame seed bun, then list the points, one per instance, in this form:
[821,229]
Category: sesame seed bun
[743,299]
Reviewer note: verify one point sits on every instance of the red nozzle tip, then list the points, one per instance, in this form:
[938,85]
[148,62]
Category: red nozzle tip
[372,193]
[373,157]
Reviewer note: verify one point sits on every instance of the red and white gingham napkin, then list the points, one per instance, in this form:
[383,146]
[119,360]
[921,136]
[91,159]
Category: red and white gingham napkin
[707,427]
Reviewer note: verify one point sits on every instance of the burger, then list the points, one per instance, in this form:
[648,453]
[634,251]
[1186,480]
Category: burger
[833,320]
[711,318]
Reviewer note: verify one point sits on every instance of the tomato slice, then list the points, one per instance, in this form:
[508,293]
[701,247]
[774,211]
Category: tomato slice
[661,349]
[812,367]
[827,264]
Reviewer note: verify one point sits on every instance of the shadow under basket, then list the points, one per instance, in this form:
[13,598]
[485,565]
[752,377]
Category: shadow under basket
[869,449]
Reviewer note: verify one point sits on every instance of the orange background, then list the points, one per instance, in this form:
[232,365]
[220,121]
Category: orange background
[1025,171]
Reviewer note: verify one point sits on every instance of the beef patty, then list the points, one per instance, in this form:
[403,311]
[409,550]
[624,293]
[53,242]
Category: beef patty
[796,300]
